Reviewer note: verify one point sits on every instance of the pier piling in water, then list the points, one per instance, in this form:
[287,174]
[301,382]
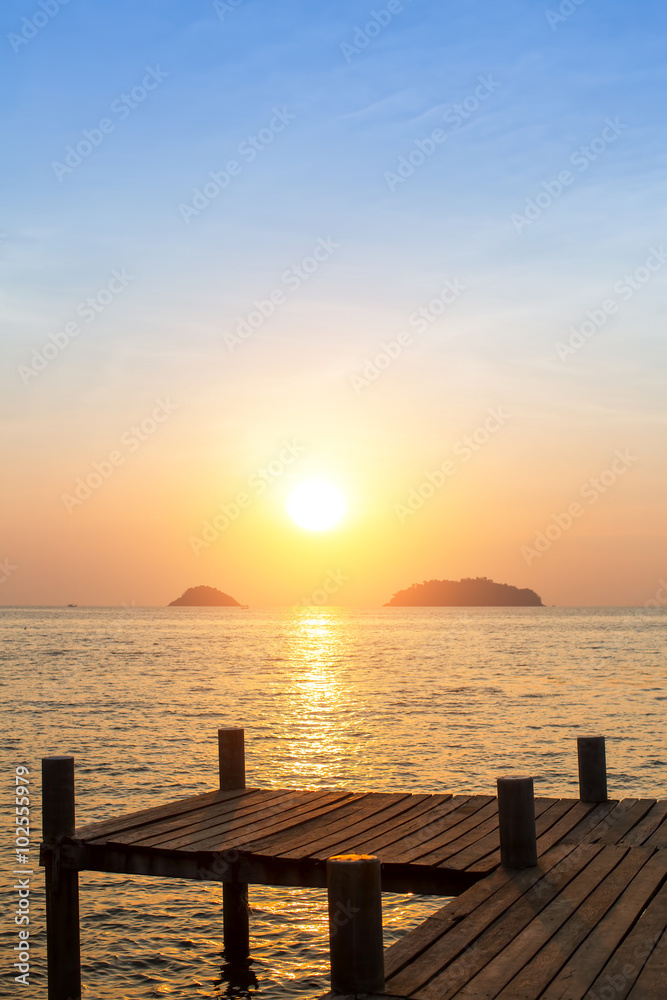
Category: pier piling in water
[355,924]
[235,914]
[592,757]
[62,884]
[516,821]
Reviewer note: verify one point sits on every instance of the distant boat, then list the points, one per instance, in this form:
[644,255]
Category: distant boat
[72,605]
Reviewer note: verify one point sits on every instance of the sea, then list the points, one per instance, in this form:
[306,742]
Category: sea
[389,699]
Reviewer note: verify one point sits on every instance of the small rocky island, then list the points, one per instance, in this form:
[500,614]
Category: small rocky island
[204,597]
[467,593]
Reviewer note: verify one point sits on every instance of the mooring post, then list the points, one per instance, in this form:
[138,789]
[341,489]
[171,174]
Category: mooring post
[235,915]
[231,757]
[592,758]
[516,819]
[62,884]
[355,924]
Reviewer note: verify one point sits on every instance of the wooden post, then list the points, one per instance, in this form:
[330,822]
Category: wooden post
[62,884]
[355,924]
[592,768]
[235,916]
[231,757]
[516,819]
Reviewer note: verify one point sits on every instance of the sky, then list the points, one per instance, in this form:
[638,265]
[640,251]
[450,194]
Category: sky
[414,249]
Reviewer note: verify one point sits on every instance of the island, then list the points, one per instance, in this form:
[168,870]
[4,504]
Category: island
[467,593]
[204,597]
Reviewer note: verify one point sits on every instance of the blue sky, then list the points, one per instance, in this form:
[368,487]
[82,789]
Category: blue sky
[351,116]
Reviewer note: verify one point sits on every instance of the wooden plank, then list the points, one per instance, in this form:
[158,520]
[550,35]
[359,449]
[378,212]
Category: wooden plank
[599,813]
[533,888]
[538,954]
[311,829]
[530,920]
[436,849]
[639,834]
[376,807]
[214,812]
[633,816]
[257,818]
[651,982]
[562,830]
[613,817]
[458,809]
[411,945]
[659,837]
[396,833]
[359,841]
[580,971]
[129,820]
[621,972]
[220,842]
[357,832]
[396,830]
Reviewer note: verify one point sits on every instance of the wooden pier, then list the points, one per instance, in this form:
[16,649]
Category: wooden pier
[557,898]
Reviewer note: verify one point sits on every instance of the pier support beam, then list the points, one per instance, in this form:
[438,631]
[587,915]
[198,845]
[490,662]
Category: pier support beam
[62,884]
[355,924]
[592,757]
[235,914]
[516,819]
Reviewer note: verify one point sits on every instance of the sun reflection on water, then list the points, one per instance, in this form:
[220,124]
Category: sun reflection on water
[317,647]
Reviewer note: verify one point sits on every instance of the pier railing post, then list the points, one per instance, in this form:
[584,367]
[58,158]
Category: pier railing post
[592,758]
[355,924]
[62,884]
[516,819]
[231,758]
[235,915]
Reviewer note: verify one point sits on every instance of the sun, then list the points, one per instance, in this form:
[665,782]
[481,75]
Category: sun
[316,505]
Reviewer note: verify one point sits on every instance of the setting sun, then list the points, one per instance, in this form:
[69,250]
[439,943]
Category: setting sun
[316,505]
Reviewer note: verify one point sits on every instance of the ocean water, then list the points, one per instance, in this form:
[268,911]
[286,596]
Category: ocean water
[428,699]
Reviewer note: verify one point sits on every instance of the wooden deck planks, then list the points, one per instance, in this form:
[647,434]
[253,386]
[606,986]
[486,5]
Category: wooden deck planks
[458,952]
[129,821]
[468,810]
[247,825]
[253,803]
[629,958]
[639,835]
[550,941]
[276,827]
[611,926]
[625,825]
